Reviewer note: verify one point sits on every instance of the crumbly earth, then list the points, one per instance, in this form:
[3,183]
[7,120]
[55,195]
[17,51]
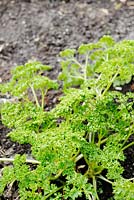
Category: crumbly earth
[40,29]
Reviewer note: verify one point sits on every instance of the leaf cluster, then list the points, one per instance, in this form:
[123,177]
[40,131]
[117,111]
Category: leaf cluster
[29,77]
[95,64]
[82,140]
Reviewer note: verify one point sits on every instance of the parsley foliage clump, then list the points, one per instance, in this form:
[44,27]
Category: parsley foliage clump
[81,141]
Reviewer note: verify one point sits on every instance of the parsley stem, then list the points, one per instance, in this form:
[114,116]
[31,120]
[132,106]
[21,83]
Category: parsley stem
[90,137]
[80,77]
[85,68]
[76,62]
[130,144]
[35,96]
[95,187]
[78,157]
[51,193]
[12,160]
[105,179]
[102,141]
[42,100]
[91,197]
[130,133]
[110,83]
[99,139]
[93,138]
[131,179]
[57,175]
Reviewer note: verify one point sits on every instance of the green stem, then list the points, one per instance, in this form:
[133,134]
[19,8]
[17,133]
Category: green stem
[90,197]
[99,171]
[50,194]
[102,141]
[80,77]
[93,138]
[110,83]
[35,96]
[43,96]
[95,187]
[26,99]
[130,179]
[76,62]
[107,57]
[99,140]
[85,68]
[57,175]
[130,144]
[104,179]
[78,157]
[12,160]
[90,137]
[130,133]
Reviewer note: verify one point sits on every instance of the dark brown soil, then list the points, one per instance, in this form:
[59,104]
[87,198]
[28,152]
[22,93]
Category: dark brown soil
[40,29]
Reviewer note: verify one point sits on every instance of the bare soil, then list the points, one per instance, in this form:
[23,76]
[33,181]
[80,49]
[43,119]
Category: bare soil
[40,29]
